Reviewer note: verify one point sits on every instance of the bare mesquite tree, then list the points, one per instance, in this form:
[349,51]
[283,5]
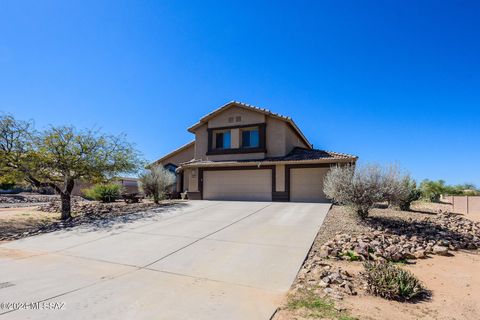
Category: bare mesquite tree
[58,156]
[156,181]
[362,187]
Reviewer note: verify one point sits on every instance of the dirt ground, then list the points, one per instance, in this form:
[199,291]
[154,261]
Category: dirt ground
[472,216]
[23,219]
[454,281]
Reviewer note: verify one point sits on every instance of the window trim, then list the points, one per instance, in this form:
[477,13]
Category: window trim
[249,129]
[261,140]
[223,139]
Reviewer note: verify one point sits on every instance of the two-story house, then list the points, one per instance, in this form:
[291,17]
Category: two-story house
[242,152]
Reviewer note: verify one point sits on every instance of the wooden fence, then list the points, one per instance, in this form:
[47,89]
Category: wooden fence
[464,204]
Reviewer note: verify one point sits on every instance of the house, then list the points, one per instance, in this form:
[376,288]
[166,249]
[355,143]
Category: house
[242,152]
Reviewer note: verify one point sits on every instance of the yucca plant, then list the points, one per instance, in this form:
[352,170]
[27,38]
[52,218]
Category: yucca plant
[391,282]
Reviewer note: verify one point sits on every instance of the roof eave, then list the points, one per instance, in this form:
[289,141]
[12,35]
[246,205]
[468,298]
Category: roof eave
[174,152]
[265,162]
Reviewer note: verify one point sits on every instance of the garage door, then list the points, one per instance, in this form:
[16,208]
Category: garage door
[306,184]
[255,185]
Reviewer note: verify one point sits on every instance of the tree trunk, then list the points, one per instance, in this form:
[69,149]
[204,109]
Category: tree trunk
[66,206]
[66,196]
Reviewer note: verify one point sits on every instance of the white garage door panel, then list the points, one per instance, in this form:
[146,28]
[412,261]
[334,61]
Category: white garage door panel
[306,184]
[238,185]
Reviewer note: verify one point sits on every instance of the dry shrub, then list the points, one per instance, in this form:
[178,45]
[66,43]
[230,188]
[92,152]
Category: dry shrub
[363,187]
[155,182]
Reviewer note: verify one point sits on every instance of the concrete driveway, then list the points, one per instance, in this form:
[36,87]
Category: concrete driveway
[196,260]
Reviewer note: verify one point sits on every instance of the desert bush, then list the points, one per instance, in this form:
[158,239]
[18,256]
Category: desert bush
[107,192]
[359,188]
[391,282]
[432,190]
[408,192]
[365,186]
[471,193]
[391,184]
[155,182]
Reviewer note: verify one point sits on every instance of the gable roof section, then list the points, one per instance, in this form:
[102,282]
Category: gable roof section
[174,152]
[231,104]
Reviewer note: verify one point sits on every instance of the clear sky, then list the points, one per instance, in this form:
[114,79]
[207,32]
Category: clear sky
[389,81]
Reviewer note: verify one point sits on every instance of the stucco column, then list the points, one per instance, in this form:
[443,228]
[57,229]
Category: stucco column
[235,138]
[193,181]
[280,177]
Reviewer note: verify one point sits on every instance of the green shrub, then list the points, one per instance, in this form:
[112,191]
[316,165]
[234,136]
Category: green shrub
[432,190]
[391,282]
[352,254]
[104,192]
[411,193]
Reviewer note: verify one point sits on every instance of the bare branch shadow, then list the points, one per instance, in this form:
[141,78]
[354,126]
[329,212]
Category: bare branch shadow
[103,221]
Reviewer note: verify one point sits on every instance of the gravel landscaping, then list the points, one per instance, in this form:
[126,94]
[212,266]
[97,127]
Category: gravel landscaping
[333,268]
[25,199]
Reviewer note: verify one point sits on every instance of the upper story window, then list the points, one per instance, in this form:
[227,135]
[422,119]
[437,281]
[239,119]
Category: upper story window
[236,139]
[250,138]
[223,140]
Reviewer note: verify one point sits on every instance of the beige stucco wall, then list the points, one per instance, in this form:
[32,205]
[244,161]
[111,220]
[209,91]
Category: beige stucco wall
[275,137]
[180,157]
[466,204]
[280,177]
[240,156]
[247,117]
[292,139]
[201,143]
[281,138]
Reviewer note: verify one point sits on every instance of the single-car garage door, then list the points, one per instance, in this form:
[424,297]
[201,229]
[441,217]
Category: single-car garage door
[306,184]
[255,185]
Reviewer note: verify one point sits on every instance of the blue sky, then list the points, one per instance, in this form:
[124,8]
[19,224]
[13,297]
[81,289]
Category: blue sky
[389,81]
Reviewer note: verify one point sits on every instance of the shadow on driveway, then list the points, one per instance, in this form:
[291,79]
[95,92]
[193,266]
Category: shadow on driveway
[93,222]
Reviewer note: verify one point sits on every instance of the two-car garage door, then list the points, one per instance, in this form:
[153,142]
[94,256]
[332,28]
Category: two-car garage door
[253,185]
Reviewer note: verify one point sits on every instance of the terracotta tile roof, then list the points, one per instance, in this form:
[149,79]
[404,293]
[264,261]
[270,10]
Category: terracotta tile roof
[302,154]
[278,115]
[296,155]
